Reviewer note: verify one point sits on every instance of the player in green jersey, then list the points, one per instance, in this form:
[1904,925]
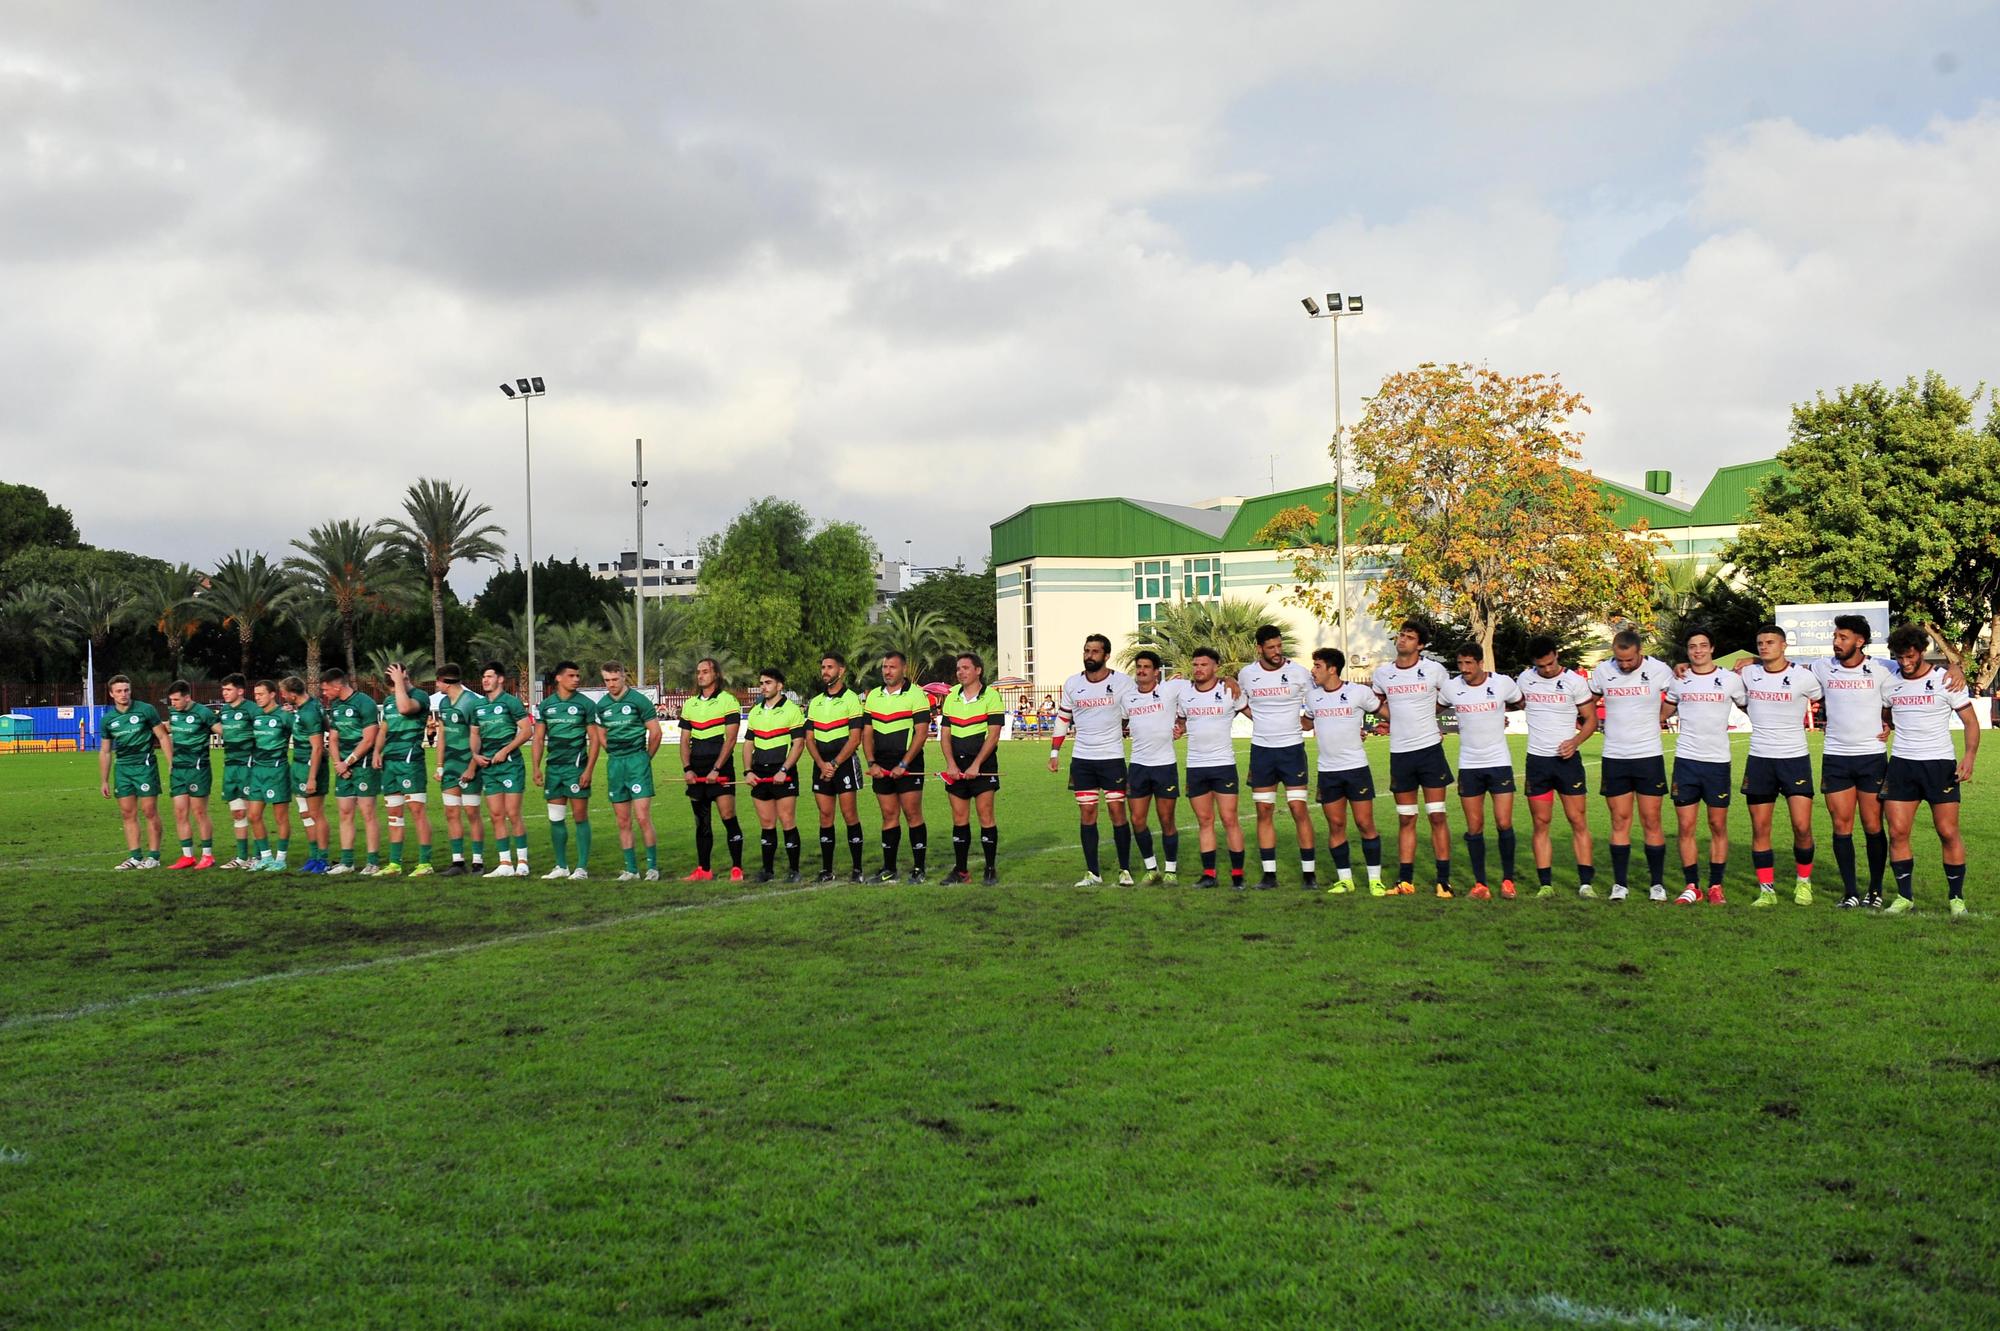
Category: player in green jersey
[234,718]
[627,731]
[190,779]
[833,744]
[270,777]
[567,742]
[127,770]
[969,732]
[896,720]
[312,774]
[457,774]
[501,728]
[354,731]
[774,735]
[711,717]
[399,770]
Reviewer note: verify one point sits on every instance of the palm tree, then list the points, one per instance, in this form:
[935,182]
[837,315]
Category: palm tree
[166,600]
[31,621]
[680,665]
[441,527]
[668,623]
[582,642]
[1229,626]
[314,616]
[245,590]
[411,660]
[351,566]
[922,636]
[508,644]
[91,609]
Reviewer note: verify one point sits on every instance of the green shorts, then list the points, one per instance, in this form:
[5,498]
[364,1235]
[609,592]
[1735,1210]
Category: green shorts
[404,778]
[563,780]
[136,778]
[630,777]
[270,784]
[321,788]
[235,779]
[362,782]
[508,778]
[196,782]
[453,766]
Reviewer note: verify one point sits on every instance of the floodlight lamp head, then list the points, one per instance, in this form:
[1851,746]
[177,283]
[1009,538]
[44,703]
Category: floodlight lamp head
[1354,304]
[537,382]
[1312,306]
[524,385]
[508,389]
[1333,301]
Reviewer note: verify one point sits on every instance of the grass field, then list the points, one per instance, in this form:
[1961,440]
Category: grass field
[234,1100]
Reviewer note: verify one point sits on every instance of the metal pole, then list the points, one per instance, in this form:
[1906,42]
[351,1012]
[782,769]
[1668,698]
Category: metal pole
[528,473]
[1339,489]
[639,604]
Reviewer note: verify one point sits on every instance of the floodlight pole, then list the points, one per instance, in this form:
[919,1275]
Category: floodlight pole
[528,491]
[639,581]
[1336,310]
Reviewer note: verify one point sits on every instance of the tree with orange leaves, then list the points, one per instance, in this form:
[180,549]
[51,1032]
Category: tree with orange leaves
[1476,507]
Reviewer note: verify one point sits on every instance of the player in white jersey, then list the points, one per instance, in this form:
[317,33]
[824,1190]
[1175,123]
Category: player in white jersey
[1634,765]
[1703,697]
[1562,714]
[1411,689]
[1276,691]
[1208,708]
[1089,706]
[1345,783]
[1151,708]
[1781,696]
[1923,766]
[1481,701]
[1854,761]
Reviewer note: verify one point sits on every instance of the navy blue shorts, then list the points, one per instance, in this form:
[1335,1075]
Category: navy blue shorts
[1764,779]
[1549,774]
[1697,781]
[1926,780]
[1633,776]
[1147,781]
[1278,767]
[1097,774]
[971,787]
[1419,769]
[1356,784]
[1217,780]
[1865,772]
[1477,781]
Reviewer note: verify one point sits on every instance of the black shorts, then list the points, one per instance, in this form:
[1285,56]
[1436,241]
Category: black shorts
[1418,769]
[1552,775]
[1925,780]
[1217,780]
[912,778]
[1097,774]
[764,790]
[846,777]
[1476,781]
[701,792]
[968,787]
[1278,767]
[1764,779]
[1699,781]
[1147,781]
[1633,776]
[1356,784]
[1864,772]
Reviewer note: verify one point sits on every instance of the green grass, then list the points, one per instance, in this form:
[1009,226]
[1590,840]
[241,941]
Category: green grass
[1027,1106]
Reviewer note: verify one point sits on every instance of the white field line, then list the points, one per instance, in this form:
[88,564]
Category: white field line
[28,1019]
[1570,1312]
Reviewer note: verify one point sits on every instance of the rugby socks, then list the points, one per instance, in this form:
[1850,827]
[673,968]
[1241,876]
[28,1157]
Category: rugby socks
[1371,854]
[855,845]
[1170,851]
[1690,874]
[1475,850]
[704,840]
[826,847]
[1443,871]
[632,856]
[892,842]
[1954,880]
[1585,874]
[1236,866]
[1121,839]
[187,848]
[767,842]
[1208,861]
[652,855]
[1621,863]
[582,844]
[285,848]
[1144,836]
[989,844]
[734,831]
[1343,860]
[1656,862]
[1904,870]
[1716,868]
[1507,844]
[1764,862]
[1878,859]
[1087,833]
[558,841]
[1545,874]
[792,849]
[1843,855]
[919,844]
[1802,857]
[1406,871]
[396,854]
[961,846]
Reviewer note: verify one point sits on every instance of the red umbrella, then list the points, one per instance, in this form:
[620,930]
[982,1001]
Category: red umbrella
[937,691]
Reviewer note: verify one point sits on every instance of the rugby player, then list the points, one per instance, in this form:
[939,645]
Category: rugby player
[458,776]
[501,728]
[311,773]
[1634,688]
[399,771]
[1346,786]
[190,779]
[711,719]
[1561,715]
[233,721]
[1923,766]
[1151,712]
[1208,708]
[1703,696]
[1781,696]
[627,731]
[1276,690]
[128,732]
[1481,701]
[270,776]
[1089,705]
[895,722]
[833,745]
[564,754]
[1412,689]
[1854,761]
[353,732]
[969,725]
[774,737]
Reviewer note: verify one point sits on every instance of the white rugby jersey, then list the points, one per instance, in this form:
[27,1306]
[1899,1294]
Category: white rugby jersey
[1337,724]
[1091,711]
[1412,695]
[1854,702]
[1779,704]
[1482,719]
[1922,708]
[1704,704]
[1208,717]
[1551,708]
[1631,706]
[1277,700]
[1150,719]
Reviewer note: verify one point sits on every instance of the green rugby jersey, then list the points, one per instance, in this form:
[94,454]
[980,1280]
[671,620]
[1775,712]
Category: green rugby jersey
[403,735]
[350,718]
[498,719]
[190,727]
[308,719]
[455,724]
[568,721]
[967,718]
[624,717]
[706,721]
[130,731]
[236,718]
[773,727]
[894,716]
[830,718]
[270,734]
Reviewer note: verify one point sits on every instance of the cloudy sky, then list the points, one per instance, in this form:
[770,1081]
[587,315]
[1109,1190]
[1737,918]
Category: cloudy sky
[918,265]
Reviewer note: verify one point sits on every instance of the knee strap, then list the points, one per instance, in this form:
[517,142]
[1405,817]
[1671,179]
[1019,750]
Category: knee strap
[418,797]
[395,820]
[237,806]
[393,801]
[451,799]
[1264,797]
[1086,798]
[558,812]
[1434,806]
[1406,810]
[1295,794]
[1114,797]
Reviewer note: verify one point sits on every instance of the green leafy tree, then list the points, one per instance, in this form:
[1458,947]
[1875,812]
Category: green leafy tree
[583,642]
[925,639]
[778,593]
[1229,626]
[350,564]
[92,610]
[442,527]
[565,591]
[27,518]
[669,626]
[507,643]
[837,589]
[166,601]
[245,591]
[964,600]
[681,664]
[32,630]
[1710,599]
[1888,493]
